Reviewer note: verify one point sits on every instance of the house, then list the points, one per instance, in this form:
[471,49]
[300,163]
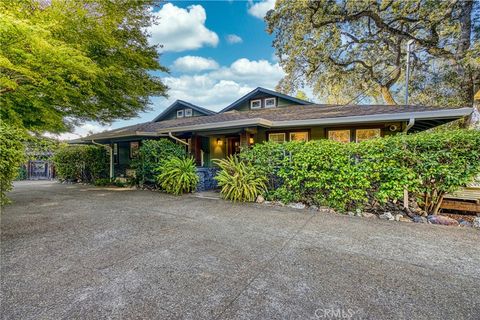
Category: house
[266,115]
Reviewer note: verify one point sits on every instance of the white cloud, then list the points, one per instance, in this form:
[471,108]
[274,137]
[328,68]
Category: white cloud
[180,29]
[233,38]
[218,88]
[194,63]
[80,131]
[260,9]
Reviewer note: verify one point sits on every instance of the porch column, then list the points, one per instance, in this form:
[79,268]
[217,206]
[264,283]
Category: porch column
[196,144]
[110,151]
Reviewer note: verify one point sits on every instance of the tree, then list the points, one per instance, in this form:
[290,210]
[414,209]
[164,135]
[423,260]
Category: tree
[301,95]
[342,48]
[67,61]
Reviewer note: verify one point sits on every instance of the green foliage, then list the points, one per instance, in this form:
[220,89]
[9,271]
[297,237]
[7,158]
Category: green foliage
[178,175]
[70,60]
[102,182]
[240,181]
[348,176]
[443,161]
[12,156]
[345,48]
[151,154]
[81,163]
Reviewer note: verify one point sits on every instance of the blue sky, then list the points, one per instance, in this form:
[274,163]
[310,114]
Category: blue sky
[216,51]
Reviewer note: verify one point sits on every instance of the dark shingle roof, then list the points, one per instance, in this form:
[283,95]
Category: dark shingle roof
[278,115]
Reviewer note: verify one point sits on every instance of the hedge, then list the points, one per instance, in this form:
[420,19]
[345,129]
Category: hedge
[12,153]
[151,154]
[81,163]
[350,176]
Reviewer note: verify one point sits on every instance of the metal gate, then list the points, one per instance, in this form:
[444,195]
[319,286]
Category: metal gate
[40,170]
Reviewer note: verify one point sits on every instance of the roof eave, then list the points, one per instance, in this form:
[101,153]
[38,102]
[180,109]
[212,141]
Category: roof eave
[404,116]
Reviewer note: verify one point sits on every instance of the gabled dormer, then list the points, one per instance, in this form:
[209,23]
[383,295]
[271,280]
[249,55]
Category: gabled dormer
[262,98]
[182,109]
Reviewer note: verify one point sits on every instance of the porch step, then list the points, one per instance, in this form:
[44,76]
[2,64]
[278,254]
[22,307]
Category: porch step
[213,195]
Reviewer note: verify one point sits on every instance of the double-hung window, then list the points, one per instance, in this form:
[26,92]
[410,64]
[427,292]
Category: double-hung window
[277,137]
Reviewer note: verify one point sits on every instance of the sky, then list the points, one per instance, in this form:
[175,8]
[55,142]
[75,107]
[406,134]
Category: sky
[216,52]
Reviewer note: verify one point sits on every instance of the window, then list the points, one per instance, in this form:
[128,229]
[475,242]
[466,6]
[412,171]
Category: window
[188,112]
[134,149]
[115,153]
[366,134]
[339,135]
[298,136]
[270,103]
[256,104]
[179,113]
[276,137]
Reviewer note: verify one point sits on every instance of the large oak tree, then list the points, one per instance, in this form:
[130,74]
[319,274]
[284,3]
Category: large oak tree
[65,61]
[344,48]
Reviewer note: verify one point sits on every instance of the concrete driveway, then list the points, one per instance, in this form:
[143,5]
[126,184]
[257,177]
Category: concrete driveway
[79,252]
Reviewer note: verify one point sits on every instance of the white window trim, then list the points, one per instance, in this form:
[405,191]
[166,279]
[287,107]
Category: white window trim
[189,111]
[277,133]
[379,132]
[257,100]
[180,114]
[274,102]
[296,132]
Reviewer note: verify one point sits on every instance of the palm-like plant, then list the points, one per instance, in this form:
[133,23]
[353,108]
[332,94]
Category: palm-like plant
[239,181]
[178,175]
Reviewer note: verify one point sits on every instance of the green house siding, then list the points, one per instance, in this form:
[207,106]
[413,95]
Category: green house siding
[173,114]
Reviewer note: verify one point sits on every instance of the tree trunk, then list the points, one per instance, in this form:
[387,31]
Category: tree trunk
[464,43]
[387,95]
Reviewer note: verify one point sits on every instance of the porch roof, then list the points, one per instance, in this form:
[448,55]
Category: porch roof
[294,116]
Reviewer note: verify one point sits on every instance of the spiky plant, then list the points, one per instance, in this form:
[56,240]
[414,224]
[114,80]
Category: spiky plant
[239,181]
[178,175]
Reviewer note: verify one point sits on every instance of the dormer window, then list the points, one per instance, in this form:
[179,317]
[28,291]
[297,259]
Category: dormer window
[188,112]
[270,102]
[256,104]
[179,113]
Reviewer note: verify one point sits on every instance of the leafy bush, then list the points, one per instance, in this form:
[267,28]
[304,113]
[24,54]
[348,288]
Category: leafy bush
[348,176]
[178,175]
[102,182]
[240,181]
[443,161]
[81,163]
[12,155]
[150,154]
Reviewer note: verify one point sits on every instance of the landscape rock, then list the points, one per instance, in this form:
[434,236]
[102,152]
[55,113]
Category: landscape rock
[403,219]
[296,205]
[313,208]
[420,219]
[476,222]
[465,223]
[387,216]
[260,199]
[443,220]
[351,214]
[368,215]
[398,217]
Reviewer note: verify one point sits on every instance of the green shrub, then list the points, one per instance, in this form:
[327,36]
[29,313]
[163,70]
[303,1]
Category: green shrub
[348,176]
[240,181]
[443,161]
[81,163]
[150,155]
[102,182]
[323,172]
[178,175]
[12,156]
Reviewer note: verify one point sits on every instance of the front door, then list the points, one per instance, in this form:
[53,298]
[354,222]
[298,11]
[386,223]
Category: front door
[233,145]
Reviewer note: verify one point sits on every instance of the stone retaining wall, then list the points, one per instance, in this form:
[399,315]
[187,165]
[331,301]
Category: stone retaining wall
[207,181]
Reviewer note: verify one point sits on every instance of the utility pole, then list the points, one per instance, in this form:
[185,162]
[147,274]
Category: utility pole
[407,77]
